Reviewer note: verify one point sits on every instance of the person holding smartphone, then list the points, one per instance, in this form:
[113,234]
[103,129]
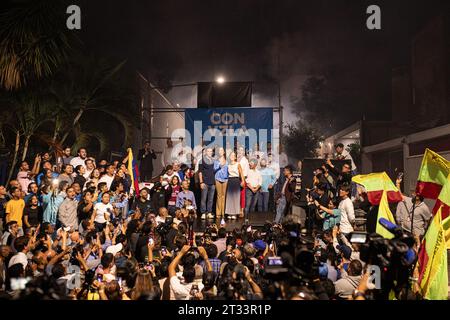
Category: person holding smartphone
[331,215]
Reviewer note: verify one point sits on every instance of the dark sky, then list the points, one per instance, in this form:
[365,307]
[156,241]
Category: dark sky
[195,40]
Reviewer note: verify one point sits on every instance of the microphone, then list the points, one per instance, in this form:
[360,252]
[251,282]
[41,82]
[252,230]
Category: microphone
[389,226]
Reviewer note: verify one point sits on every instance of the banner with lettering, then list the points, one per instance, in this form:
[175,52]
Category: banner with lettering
[224,126]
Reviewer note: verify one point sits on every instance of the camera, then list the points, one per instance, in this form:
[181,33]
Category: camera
[163,228]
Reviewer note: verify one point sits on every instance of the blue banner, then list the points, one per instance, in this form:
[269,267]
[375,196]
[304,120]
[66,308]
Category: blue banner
[221,126]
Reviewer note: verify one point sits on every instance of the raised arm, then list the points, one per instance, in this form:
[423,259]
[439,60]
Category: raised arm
[173,265]
[204,255]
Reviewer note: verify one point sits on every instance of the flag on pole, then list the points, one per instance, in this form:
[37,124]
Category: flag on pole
[375,184]
[433,174]
[133,171]
[432,263]
[443,200]
[384,212]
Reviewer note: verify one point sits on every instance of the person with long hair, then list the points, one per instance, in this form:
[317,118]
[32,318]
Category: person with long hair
[172,193]
[143,286]
[94,177]
[235,182]
[221,175]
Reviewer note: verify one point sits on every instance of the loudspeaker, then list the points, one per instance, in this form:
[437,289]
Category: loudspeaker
[258,219]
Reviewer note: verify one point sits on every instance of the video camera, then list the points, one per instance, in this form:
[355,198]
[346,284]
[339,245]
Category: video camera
[163,228]
[395,257]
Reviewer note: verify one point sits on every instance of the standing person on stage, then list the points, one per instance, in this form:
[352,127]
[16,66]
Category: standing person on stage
[207,184]
[242,159]
[221,169]
[235,183]
[268,181]
[167,156]
[253,184]
[146,157]
[286,197]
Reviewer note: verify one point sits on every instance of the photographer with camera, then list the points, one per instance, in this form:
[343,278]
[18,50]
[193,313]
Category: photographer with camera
[344,176]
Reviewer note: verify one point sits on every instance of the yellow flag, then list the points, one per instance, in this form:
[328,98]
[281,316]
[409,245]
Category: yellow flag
[446,227]
[384,212]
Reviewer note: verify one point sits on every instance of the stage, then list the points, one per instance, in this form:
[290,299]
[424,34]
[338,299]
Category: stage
[256,219]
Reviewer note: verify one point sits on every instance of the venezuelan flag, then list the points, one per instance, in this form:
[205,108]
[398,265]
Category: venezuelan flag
[432,263]
[133,171]
[376,184]
[433,175]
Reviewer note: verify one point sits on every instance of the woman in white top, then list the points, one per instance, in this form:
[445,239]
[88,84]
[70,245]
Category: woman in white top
[235,182]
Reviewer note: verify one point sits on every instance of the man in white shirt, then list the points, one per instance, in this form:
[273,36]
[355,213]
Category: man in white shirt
[80,160]
[253,185]
[167,156]
[109,176]
[90,166]
[21,245]
[347,211]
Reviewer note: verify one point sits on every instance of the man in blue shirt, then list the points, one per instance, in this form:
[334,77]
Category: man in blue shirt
[268,181]
[185,195]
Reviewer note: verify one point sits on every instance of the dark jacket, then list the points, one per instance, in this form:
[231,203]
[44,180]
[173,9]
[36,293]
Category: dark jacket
[146,161]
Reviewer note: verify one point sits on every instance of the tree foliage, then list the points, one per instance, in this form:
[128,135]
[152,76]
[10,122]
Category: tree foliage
[301,141]
[34,42]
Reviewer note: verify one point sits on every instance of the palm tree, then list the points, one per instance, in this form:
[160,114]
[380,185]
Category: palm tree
[24,115]
[34,42]
[87,86]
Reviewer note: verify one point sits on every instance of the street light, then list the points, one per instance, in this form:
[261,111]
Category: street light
[220,80]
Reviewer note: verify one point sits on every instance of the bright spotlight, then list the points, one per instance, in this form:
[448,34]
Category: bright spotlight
[220,80]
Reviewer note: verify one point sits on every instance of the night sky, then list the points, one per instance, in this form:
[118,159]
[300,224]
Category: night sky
[193,40]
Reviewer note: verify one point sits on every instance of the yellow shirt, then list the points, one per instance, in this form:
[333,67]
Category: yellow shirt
[14,211]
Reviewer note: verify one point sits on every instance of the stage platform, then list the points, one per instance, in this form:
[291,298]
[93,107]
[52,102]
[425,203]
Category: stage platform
[256,219]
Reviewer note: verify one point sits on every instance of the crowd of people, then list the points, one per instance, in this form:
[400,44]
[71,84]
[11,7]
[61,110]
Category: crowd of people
[75,228]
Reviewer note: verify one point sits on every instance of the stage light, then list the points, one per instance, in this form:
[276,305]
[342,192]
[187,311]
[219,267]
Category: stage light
[220,80]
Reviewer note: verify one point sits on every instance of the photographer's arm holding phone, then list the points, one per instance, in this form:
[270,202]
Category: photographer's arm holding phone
[398,183]
[255,287]
[204,255]
[173,265]
[150,247]
[55,260]
[82,262]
